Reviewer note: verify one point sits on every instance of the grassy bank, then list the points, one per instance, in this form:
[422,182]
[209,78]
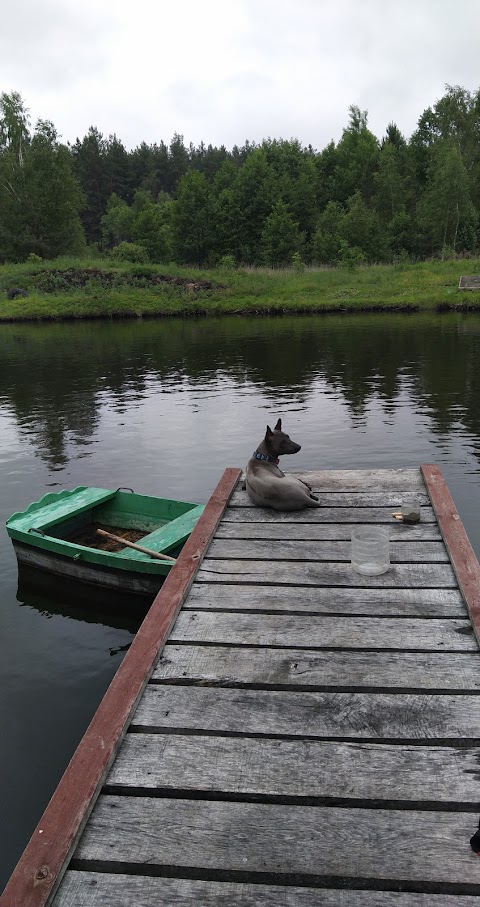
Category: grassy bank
[96,288]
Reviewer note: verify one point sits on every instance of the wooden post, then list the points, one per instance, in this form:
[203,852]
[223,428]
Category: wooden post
[462,555]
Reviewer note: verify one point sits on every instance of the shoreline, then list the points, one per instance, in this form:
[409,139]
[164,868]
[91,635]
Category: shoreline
[265,313]
[96,289]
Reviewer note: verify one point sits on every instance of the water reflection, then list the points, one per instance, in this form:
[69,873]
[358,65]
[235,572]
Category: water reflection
[54,595]
[57,380]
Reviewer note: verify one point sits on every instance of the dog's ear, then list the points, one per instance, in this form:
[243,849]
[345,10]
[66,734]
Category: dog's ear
[268,432]
[278,426]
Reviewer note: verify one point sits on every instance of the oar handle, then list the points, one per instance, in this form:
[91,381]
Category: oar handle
[118,538]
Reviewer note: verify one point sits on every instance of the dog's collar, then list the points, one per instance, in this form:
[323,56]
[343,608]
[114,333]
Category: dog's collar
[266,457]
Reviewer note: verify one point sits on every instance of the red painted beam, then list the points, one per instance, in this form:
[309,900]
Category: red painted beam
[44,860]
[462,555]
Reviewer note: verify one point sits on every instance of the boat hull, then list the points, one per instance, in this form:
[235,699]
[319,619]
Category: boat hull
[94,575]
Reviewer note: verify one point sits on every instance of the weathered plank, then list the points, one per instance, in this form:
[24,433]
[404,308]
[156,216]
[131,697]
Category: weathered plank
[419,602]
[286,549]
[346,715]
[311,573]
[365,479]
[319,631]
[298,768]
[392,499]
[227,666]
[399,532]
[318,515]
[283,840]
[92,889]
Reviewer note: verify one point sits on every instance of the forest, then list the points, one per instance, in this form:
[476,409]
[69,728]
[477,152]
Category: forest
[276,204]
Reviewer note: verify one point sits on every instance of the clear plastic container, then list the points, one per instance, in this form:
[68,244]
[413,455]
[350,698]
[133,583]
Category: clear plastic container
[370,550]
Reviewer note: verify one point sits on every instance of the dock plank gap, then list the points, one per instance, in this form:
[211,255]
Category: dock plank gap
[283,730]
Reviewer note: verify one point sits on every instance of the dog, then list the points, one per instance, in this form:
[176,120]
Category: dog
[267,485]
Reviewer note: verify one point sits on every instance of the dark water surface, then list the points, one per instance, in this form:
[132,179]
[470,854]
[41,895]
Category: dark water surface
[164,407]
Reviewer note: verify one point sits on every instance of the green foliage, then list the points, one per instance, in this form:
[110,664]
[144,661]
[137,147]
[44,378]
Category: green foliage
[297,264]
[446,212]
[448,253]
[116,223]
[328,234]
[225,221]
[280,236]
[191,222]
[401,235]
[151,225]
[145,223]
[88,157]
[40,199]
[360,228]
[14,126]
[33,258]
[129,251]
[350,257]
[254,195]
[227,263]
[356,157]
[293,171]
[391,193]
[199,204]
[52,282]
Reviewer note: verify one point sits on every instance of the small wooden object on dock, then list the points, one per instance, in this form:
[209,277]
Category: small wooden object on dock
[469,283]
[118,538]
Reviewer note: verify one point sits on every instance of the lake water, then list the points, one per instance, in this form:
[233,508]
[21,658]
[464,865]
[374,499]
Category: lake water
[163,407]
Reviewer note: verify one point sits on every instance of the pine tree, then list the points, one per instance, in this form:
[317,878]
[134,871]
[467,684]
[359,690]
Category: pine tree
[90,167]
[356,159]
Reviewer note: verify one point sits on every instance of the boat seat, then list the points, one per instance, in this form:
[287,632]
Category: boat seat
[55,506]
[166,537]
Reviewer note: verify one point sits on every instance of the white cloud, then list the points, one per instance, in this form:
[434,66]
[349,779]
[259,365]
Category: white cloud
[225,71]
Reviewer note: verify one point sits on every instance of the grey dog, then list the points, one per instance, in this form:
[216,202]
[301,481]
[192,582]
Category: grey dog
[266,484]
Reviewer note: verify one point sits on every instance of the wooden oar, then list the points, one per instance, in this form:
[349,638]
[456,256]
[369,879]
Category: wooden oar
[118,538]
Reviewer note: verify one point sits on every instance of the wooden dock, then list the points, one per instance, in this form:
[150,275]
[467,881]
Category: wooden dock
[284,731]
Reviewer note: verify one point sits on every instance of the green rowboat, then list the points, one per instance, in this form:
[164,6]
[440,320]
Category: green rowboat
[59,533]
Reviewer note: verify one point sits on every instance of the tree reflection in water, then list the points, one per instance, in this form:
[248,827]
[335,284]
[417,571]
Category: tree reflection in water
[55,379]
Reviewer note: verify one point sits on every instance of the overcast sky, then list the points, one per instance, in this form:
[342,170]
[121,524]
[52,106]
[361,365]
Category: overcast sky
[227,70]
